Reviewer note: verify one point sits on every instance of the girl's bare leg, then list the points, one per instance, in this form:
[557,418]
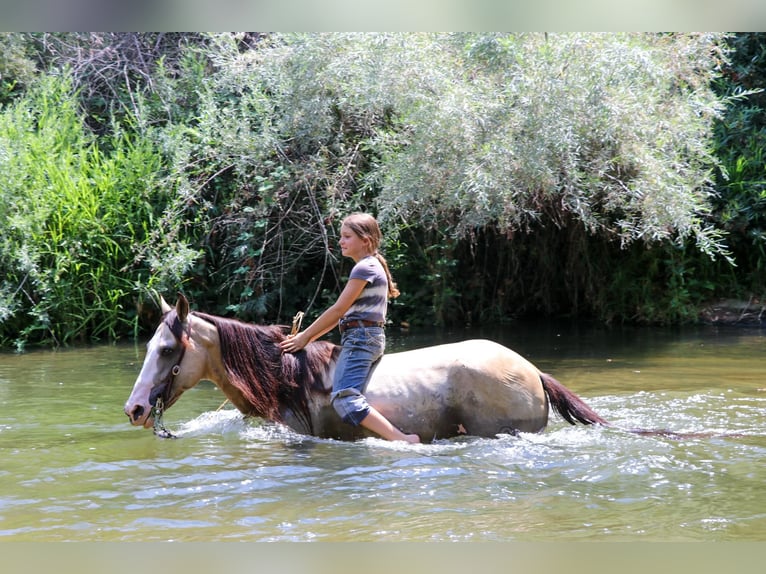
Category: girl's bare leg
[380,425]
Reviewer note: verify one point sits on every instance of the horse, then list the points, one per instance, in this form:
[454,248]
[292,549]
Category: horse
[475,387]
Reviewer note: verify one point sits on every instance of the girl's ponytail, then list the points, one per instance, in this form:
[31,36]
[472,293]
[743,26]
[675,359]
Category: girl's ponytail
[393,290]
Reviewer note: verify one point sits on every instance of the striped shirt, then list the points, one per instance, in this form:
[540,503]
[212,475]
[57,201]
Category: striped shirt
[372,304]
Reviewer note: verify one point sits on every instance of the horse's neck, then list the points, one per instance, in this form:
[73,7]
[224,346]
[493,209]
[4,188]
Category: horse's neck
[220,379]
[215,369]
[312,375]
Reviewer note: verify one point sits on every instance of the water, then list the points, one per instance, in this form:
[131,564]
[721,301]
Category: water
[71,467]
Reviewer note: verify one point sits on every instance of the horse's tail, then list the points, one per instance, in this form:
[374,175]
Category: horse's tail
[573,410]
[567,404]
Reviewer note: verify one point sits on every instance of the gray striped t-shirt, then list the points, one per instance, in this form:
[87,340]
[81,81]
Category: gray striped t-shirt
[372,304]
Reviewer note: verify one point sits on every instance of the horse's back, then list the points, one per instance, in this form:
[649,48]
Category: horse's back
[478,387]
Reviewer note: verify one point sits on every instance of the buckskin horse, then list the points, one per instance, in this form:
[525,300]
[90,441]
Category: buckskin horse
[475,387]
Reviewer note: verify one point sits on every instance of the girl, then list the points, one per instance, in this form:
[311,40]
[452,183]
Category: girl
[360,313]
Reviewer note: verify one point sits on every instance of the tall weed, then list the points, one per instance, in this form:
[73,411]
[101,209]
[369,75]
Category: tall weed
[72,217]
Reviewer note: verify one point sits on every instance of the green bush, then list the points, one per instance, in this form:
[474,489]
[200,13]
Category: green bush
[542,144]
[512,174]
[73,217]
[740,146]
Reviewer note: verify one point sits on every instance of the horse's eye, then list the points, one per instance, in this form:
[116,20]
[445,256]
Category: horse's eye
[166,351]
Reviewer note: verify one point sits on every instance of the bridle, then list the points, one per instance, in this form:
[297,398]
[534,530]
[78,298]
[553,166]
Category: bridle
[182,336]
[177,330]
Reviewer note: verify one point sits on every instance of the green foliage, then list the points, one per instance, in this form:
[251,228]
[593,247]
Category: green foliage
[444,136]
[512,174]
[71,218]
[740,207]
[609,131]
[262,178]
[111,71]
[17,70]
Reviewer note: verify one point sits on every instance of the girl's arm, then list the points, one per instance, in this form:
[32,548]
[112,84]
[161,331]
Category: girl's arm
[327,320]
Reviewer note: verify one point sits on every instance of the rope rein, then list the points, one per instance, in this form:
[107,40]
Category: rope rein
[159,427]
[297,320]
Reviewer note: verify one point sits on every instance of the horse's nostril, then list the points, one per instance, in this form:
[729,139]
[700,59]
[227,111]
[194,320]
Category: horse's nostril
[136,413]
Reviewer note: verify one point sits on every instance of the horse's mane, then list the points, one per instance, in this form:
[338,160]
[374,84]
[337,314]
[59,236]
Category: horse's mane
[267,378]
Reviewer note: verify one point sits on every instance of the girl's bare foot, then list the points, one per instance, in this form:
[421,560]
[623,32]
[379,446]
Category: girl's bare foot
[380,425]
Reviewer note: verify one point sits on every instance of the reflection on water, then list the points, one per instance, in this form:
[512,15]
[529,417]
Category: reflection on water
[73,469]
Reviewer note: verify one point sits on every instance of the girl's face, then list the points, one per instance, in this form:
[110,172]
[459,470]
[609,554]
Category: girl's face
[353,246]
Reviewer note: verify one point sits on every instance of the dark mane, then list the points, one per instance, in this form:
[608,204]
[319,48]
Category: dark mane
[269,379]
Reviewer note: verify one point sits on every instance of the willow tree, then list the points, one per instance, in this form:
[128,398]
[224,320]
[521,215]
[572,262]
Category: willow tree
[510,141]
[589,149]
[610,130]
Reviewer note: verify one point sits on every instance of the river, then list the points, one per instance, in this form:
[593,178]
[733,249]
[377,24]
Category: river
[73,469]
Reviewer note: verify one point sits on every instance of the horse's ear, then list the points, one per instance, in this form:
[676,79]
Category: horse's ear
[164,306]
[182,307]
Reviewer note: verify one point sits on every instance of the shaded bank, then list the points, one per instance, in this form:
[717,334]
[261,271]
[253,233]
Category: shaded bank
[738,312]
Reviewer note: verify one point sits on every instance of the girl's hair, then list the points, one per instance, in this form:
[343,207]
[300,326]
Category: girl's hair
[366,227]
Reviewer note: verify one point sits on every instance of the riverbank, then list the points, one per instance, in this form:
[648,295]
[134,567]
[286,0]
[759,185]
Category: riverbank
[741,312]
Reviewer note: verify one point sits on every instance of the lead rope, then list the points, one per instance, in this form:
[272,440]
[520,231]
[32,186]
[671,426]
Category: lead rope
[297,321]
[159,427]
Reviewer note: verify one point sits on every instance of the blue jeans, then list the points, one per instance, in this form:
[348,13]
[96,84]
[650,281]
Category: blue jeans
[361,348]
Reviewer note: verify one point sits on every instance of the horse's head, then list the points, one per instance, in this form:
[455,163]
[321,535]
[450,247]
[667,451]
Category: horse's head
[168,369]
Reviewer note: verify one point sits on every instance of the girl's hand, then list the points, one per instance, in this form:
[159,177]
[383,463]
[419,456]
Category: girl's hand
[293,343]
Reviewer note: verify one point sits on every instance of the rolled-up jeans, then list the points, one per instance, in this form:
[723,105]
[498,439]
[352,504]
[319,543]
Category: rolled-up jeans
[361,348]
